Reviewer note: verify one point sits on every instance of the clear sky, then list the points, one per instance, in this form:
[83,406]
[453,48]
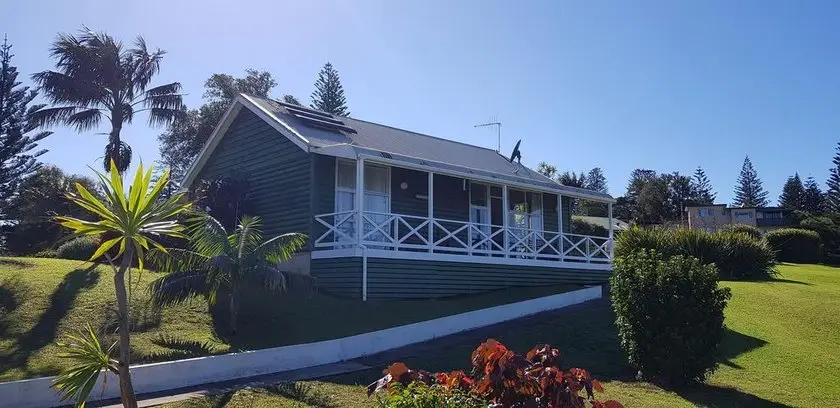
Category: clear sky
[664,85]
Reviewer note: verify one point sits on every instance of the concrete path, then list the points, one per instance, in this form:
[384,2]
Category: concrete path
[327,370]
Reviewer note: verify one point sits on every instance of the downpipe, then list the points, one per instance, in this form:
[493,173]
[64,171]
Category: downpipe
[364,272]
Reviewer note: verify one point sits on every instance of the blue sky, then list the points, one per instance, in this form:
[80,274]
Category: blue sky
[620,85]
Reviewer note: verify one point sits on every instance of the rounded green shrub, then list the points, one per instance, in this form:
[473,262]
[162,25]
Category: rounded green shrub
[669,315]
[79,249]
[583,227]
[795,245]
[749,230]
[737,255]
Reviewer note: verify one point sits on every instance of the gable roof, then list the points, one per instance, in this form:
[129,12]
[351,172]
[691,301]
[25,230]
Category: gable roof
[390,145]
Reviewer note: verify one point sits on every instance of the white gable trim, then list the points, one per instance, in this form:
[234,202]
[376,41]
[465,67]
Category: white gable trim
[223,126]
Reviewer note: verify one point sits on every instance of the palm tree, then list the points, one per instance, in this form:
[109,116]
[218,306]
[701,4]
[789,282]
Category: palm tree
[96,79]
[129,219]
[222,263]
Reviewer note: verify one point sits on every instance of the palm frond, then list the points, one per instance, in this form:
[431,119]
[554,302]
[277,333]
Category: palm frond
[208,235]
[248,235]
[176,259]
[163,116]
[85,120]
[88,360]
[63,88]
[278,249]
[272,278]
[178,287]
[52,116]
[166,89]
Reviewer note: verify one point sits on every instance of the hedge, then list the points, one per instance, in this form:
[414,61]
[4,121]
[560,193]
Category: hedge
[795,245]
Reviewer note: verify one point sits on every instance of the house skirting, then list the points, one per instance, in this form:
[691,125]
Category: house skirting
[423,278]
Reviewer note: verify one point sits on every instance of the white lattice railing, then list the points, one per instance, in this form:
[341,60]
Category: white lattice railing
[400,232]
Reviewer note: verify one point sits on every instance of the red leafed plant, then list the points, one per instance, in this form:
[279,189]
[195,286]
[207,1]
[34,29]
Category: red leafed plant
[507,379]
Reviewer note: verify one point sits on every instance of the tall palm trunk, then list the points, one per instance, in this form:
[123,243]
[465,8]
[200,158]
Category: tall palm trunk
[113,151]
[127,397]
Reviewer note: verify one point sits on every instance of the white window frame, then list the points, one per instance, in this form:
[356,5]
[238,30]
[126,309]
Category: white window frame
[368,165]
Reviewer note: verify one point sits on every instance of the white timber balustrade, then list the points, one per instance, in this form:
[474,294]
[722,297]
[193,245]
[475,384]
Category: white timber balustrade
[400,232]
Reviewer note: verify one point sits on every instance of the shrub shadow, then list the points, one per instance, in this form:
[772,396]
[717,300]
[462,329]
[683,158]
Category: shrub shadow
[734,344]
[45,330]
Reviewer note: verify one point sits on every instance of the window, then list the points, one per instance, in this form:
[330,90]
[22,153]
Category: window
[377,198]
[774,215]
[742,215]
[705,212]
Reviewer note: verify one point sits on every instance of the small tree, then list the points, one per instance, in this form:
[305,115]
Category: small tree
[291,99]
[329,94]
[221,263]
[793,193]
[548,170]
[748,190]
[832,194]
[127,220]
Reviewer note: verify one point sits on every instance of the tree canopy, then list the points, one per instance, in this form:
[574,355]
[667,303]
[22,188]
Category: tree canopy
[793,193]
[748,189]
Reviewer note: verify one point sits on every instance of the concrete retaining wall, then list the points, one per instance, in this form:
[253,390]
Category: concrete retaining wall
[36,392]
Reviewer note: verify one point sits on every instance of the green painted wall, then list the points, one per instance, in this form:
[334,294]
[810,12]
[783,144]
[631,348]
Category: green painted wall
[278,171]
[339,276]
[400,278]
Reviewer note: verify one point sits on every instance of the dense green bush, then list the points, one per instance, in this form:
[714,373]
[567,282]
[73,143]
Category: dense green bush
[753,232]
[669,315]
[420,395]
[583,227]
[737,255]
[79,249]
[795,245]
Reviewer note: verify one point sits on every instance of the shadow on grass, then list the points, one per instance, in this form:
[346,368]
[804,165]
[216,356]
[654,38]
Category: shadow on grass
[14,263]
[734,344]
[46,329]
[795,282]
[706,395]
[303,393]
[12,294]
[177,349]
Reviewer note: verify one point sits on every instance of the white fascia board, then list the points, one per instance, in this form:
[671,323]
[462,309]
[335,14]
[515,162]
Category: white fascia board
[275,122]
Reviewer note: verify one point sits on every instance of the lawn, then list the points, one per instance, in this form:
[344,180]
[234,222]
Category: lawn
[781,350]
[41,299]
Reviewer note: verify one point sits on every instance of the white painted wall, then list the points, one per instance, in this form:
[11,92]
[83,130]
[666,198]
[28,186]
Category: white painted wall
[36,392]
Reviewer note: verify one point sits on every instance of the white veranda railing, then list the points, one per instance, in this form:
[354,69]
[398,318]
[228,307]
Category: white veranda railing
[400,232]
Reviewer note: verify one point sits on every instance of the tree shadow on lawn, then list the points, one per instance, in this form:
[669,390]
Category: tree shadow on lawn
[706,395]
[14,263]
[734,344]
[12,294]
[46,329]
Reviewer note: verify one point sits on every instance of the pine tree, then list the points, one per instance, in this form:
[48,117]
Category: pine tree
[813,200]
[329,94]
[596,181]
[748,190]
[702,189]
[832,195]
[18,157]
[793,193]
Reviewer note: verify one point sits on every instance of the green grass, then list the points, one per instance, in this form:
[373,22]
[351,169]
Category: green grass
[781,350]
[41,299]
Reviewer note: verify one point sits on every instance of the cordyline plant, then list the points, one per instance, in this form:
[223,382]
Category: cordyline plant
[507,379]
[128,221]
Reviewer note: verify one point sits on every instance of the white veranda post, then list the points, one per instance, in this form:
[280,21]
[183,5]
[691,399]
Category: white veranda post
[612,223]
[430,198]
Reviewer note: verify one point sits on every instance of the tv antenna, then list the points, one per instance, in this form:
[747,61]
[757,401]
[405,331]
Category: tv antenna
[498,125]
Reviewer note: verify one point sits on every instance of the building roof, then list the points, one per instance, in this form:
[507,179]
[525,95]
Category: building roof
[398,146]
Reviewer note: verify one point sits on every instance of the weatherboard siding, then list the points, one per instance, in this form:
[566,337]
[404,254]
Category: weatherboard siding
[277,169]
[401,278]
